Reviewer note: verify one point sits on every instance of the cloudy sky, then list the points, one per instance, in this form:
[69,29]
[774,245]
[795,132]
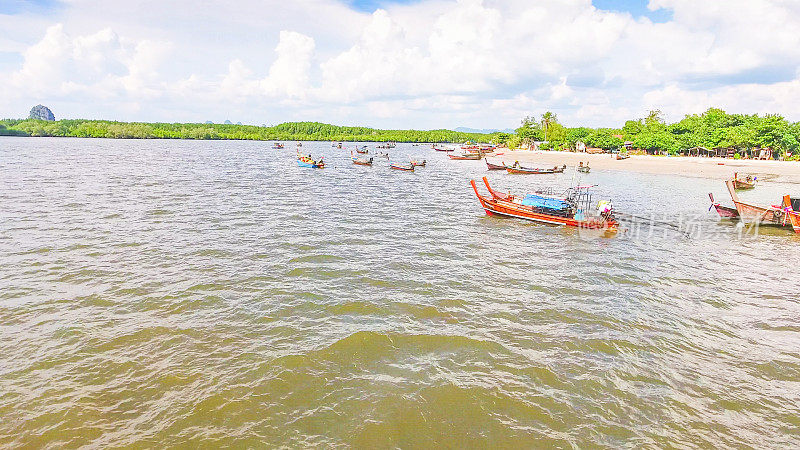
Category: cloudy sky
[398,63]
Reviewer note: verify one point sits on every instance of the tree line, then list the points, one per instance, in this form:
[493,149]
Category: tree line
[712,129]
[306,131]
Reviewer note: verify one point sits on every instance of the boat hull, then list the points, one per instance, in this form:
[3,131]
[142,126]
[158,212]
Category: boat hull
[474,157]
[724,211]
[491,166]
[405,168]
[310,165]
[525,171]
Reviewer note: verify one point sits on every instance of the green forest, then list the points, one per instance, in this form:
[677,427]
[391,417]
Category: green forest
[712,129]
[294,131]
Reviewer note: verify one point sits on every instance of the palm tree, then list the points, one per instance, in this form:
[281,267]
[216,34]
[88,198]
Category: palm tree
[547,119]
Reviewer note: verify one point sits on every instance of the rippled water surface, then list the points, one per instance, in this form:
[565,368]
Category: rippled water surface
[157,293]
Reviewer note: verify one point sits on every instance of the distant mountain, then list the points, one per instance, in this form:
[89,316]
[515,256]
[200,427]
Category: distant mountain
[482,131]
[42,112]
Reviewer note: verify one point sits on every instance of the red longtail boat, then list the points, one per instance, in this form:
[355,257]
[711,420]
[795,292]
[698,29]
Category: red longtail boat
[573,210]
[490,166]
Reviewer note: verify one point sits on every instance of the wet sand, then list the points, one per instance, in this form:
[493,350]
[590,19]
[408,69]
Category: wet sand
[713,168]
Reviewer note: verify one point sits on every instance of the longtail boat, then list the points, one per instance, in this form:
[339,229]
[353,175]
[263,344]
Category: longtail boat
[466,156]
[575,209]
[725,212]
[362,160]
[752,214]
[490,166]
[519,170]
[418,163]
[277,145]
[308,161]
[406,167]
[740,184]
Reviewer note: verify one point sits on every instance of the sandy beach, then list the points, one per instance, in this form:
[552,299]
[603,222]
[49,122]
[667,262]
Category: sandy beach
[714,168]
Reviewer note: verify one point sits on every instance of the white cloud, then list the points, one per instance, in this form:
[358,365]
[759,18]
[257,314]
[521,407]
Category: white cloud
[430,64]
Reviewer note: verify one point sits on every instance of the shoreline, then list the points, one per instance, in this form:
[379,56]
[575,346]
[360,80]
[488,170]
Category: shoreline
[698,167]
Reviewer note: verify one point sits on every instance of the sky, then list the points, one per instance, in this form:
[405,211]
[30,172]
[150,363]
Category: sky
[421,64]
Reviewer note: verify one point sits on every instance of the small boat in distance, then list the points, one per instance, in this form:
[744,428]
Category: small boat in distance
[741,184]
[418,163]
[490,166]
[574,209]
[277,145]
[308,161]
[520,170]
[466,156]
[361,160]
[406,167]
[362,150]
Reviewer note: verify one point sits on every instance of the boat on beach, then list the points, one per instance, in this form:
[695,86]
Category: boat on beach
[517,169]
[574,209]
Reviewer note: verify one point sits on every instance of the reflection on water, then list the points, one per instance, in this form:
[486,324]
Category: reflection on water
[175,292]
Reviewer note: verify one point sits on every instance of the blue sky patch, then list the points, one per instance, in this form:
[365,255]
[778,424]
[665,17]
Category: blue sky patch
[370,6]
[636,8]
[10,7]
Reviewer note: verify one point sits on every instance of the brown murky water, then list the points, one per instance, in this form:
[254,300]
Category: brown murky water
[156,293]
